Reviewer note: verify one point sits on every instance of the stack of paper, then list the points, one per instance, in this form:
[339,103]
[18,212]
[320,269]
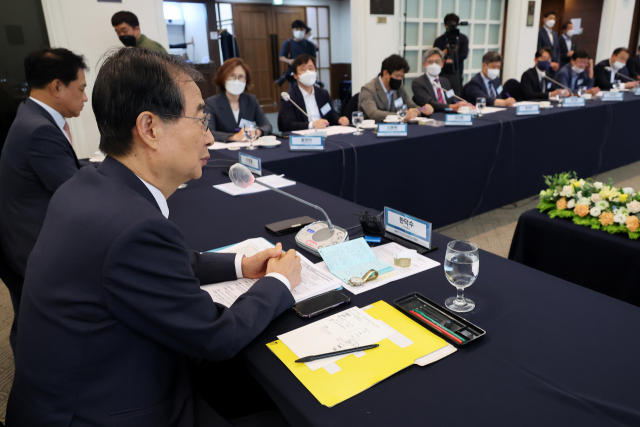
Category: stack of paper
[352,259]
[276,181]
[314,281]
[331,130]
[489,110]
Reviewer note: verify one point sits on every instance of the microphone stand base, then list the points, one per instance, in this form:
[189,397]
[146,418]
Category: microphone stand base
[317,235]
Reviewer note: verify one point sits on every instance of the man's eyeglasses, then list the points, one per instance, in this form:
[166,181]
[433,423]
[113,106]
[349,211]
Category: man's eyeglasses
[204,120]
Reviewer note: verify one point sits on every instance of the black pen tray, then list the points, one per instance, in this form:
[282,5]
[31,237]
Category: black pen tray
[443,316]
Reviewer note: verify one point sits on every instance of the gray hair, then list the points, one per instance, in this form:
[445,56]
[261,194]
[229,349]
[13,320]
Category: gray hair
[431,52]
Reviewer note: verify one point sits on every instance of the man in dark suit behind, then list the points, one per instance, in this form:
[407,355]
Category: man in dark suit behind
[487,84]
[616,65]
[533,84]
[112,306]
[633,65]
[37,156]
[315,101]
[548,37]
[567,44]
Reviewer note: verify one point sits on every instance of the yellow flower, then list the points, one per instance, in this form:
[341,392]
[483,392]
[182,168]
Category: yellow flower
[623,198]
[608,193]
[576,184]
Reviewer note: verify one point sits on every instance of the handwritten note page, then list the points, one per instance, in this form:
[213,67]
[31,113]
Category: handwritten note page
[348,329]
[275,181]
[353,259]
[314,281]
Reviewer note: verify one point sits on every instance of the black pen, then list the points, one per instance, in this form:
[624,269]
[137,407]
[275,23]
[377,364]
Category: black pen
[336,353]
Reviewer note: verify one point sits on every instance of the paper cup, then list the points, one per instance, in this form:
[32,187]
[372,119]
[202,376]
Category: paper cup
[545,104]
[368,122]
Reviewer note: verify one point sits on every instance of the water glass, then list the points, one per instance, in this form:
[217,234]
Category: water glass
[582,90]
[618,84]
[251,132]
[461,266]
[480,104]
[357,118]
[560,97]
[402,112]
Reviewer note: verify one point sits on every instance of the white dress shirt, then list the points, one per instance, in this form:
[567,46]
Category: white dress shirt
[236,114]
[164,208]
[310,105]
[613,72]
[567,40]
[389,94]
[550,34]
[57,117]
[543,83]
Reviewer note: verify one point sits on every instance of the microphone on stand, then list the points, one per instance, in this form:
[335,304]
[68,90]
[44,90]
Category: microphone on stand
[558,83]
[285,96]
[315,236]
[620,74]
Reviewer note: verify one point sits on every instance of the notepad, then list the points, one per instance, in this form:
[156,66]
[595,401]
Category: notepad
[352,259]
[276,181]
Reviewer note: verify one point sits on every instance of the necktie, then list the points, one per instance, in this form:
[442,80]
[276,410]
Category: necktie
[542,84]
[68,132]
[492,92]
[439,92]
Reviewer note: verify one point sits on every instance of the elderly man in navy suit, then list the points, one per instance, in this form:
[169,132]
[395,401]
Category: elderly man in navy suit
[37,157]
[112,306]
[486,84]
[548,37]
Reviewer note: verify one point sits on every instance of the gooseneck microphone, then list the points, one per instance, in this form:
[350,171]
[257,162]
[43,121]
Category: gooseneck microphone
[285,96]
[558,83]
[620,74]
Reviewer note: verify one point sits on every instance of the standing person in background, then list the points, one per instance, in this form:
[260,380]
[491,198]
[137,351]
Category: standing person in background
[548,37]
[567,45]
[128,30]
[455,47]
[37,157]
[633,65]
[309,37]
[294,47]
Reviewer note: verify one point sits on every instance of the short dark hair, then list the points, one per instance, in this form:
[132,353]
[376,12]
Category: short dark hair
[394,63]
[298,24]
[133,80]
[301,60]
[620,49]
[542,50]
[451,17]
[551,12]
[126,17]
[566,25]
[44,66]
[227,67]
[579,54]
[490,57]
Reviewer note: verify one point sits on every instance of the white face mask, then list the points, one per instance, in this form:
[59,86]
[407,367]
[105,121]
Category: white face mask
[235,87]
[298,35]
[308,78]
[577,69]
[617,65]
[550,23]
[493,74]
[570,33]
[434,69]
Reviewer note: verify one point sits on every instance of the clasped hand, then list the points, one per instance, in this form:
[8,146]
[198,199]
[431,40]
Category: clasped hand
[273,261]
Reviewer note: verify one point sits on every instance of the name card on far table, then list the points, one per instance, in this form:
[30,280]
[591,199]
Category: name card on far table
[306,143]
[573,101]
[408,227]
[528,110]
[458,120]
[612,96]
[395,129]
[636,91]
[252,163]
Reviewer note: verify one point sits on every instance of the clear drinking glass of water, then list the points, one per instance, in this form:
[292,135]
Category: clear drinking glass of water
[251,132]
[402,112]
[461,266]
[357,118]
[560,97]
[617,84]
[582,90]
[480,104]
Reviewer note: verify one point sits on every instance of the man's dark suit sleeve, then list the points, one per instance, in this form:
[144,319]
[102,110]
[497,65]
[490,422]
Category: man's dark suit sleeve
[473,91]
[531,88]
[288,118]
[332,116]
[463,50]
[48,154]
[149,285]
[602,77]
[422,97]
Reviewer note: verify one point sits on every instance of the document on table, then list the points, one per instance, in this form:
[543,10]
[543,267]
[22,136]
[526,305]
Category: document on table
[353,259]
[276,181]
[331,130]
[348,329]
[314,281]
[526,103]
[489,110]
[386,253]
[227,145]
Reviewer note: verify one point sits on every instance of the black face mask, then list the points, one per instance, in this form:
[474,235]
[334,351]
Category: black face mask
[128,40]
[395,83]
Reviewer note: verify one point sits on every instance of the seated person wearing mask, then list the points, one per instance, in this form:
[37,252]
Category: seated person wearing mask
[385,94]
[578,72]
[232,109]
[604,78]
[128,30]
[315,101]
[430,88]
[112,308]
[534,85]
[486,84]
[37,157]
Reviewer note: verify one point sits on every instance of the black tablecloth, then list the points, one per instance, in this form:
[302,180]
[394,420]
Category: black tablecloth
[555,354]
[440,174]
[609,264]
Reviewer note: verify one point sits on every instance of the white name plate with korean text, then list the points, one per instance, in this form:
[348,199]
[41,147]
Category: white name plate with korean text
[613,96]
[395,129]
[458,120]
[408,227]
[636,91]
[573,101]
[306,143]
[528,110]
[252,163]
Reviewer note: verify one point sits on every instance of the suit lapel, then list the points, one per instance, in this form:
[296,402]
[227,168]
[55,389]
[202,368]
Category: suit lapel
[225,109]
[318,96]
[119,172]
[382,95]
[297,97]
[244,108]
[44,113]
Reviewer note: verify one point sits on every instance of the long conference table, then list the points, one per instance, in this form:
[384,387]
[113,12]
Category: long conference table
[445,174]
[555,353]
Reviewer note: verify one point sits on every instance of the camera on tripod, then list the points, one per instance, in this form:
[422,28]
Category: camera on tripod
[453,32]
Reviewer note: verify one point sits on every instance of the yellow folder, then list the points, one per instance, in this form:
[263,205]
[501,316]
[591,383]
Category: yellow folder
[358,374]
